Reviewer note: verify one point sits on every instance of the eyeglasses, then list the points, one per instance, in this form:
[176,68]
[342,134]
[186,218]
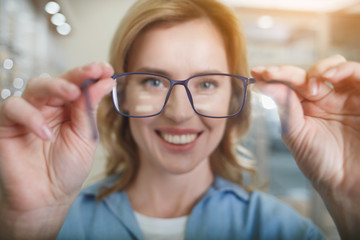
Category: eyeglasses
[141,95]
[214,95]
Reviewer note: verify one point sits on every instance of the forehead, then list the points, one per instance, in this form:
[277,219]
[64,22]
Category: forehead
[195,45]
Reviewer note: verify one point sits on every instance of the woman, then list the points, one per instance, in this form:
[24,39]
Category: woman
[172,167]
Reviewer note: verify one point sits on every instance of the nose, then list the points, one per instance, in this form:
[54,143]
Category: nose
[178,107]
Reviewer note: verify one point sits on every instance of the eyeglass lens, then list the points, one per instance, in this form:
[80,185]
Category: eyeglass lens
[213,95]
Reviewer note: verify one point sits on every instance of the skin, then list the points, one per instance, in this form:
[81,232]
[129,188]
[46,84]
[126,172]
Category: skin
[46,145]
[46,151]
[163,187]
[323,130]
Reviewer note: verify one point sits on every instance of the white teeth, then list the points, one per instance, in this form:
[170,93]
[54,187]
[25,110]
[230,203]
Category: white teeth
[179,139]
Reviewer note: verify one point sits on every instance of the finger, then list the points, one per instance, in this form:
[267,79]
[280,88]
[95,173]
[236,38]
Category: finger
[286,73]
[320,88]
[56,91]
[40,90]
[343,76]
[271,77]
[90,71]
[17,111]
[293,77]
[85,108]
[96,90]
[289,105]
[305,84]
[323,65]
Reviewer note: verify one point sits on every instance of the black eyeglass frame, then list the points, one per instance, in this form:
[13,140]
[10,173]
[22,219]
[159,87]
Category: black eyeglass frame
[246,82]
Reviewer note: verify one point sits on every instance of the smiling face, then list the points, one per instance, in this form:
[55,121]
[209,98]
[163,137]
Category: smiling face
[178,140]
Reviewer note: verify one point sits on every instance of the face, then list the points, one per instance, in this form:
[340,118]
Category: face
[178,140]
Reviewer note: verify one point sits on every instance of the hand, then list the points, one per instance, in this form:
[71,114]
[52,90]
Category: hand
[323,123]
[46,145]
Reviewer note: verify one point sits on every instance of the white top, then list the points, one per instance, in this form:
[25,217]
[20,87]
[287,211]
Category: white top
[162,228]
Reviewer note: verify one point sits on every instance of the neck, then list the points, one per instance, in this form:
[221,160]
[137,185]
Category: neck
[169,195]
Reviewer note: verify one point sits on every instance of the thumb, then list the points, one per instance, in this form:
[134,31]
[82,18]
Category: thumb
[289,106]
[93,92]
[96,90]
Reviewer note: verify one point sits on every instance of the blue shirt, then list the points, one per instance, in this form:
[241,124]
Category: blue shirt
[226,211]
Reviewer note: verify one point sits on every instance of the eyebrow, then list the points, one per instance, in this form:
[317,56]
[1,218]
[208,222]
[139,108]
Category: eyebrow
[167,74]
[152,70]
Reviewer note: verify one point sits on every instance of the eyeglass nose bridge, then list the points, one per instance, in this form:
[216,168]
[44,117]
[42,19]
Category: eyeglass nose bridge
[184,83]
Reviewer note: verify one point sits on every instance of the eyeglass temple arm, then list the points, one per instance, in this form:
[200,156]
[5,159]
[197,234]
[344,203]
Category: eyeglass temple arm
[84,88]
[250,80]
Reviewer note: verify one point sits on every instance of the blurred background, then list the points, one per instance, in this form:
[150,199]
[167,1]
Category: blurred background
[45,38]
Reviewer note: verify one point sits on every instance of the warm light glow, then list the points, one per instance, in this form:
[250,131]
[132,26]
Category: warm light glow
[303,5]
[17,93]
[265,22]
[267,102]
[64,29]
[18,83]
[52,7]
[58,19]
[8,64]
[5,93]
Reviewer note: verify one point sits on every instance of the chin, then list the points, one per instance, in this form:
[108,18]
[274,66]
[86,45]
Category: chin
[182,168]
[178,171]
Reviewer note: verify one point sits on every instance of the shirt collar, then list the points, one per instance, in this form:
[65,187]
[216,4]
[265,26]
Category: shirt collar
[94,190]
[118,203]
[219,185]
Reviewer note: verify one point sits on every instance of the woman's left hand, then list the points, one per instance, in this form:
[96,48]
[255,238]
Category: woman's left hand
[320,114]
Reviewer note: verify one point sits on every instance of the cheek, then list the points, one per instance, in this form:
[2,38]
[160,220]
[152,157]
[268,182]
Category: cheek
[216,128]
[141,130]
[214,134]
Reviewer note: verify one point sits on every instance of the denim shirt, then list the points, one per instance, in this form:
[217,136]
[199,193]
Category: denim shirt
[226,211]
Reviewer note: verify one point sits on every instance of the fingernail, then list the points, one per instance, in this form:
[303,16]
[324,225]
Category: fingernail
[314,86]
[88,66]
[69,87]
[330,73]
[106,64]
[258,69]
[46,133]
[273,69]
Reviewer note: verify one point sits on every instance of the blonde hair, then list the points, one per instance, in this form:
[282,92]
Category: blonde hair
[115,131]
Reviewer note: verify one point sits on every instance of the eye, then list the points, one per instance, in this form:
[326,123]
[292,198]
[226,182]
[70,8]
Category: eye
[208,84]
[152,82]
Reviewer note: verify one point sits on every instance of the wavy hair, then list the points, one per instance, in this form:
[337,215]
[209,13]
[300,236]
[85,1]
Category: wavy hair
[228,159]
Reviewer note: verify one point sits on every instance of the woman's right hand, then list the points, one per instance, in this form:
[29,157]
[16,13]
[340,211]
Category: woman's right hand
[46,149]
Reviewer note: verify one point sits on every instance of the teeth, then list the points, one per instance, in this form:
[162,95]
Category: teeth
[178,139]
